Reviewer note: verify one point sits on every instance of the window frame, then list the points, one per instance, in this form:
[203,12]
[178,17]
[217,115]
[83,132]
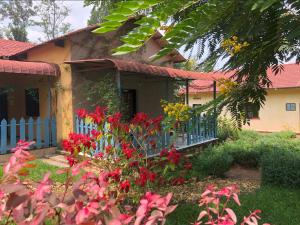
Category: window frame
[289,108]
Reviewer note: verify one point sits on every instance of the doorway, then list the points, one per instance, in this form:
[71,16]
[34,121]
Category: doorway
[128,103]
[3,106]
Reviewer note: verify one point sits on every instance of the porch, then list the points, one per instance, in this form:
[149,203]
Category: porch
[27,104]
[147,86]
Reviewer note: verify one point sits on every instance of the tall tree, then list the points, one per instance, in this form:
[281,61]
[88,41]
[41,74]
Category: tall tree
[52,16]
[251,36]
[100,9]
[18,16]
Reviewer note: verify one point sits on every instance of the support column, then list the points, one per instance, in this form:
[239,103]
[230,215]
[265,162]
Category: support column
[215,108]
[119,87]
[49,99]
[187,92]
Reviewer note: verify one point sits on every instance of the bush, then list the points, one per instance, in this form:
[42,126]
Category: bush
[214,163]
[226,129]
[281,167]
[284,134]
[247,150]
[243,152]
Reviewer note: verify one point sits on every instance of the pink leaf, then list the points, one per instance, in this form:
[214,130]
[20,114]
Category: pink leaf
[236,199]
[201,215]
[231,214]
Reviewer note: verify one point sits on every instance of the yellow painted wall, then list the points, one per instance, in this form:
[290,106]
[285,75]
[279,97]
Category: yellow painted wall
[273,116]
[55,54]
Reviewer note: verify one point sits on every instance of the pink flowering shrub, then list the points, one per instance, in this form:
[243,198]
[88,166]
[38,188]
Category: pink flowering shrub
[89,200]
[84,201]
[216,210]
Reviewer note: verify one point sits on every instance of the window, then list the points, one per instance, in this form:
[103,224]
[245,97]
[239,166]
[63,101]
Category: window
[252,111]
[196,105]
[290,106]
[32,102]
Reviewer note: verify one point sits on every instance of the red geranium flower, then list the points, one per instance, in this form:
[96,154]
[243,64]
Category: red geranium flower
[125,186]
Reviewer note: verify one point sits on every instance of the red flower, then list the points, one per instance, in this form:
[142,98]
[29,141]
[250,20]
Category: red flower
[95,133]
[174,156]
[81,113]
[108,149]
[125,186]
[152,177]
[133,164]
[164,152]
[70,160]
[99,155]
[178,181]
[115,174]
[114,120]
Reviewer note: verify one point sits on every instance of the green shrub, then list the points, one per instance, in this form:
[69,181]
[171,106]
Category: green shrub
[283,134]
[281,167]
[249,135]
[226,129]
[243,152]
[214,163]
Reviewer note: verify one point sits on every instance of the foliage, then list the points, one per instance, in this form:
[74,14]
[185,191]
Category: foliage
[212,162]
[18,15]
[227,129]
[281,167]
[86,201]
[216,211]
[51,18]
[274,202]
[262,32]
[248,149]
[102,92]
[99,10]
[126,152]
[176,111]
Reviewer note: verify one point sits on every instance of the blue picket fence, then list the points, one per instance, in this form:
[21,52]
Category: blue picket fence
[198,130]
[41,131]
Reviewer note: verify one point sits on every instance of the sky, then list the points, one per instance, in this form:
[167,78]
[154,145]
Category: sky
[78,19]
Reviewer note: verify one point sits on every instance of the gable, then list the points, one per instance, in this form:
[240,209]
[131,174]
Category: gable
[86,45]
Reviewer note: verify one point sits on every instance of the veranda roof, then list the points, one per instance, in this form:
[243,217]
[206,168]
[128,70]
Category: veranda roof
[29,68]
[137,67]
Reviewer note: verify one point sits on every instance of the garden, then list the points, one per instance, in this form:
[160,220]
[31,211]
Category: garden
[123,186]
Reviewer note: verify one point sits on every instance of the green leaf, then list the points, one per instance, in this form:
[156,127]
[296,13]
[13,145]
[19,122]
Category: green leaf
[116,17]
[103,30]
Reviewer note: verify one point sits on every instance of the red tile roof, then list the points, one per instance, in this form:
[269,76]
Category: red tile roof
[11,47]
[29,68]
[288,78]
[131,66]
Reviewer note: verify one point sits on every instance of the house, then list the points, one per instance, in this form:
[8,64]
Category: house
[42,85]
[281,110]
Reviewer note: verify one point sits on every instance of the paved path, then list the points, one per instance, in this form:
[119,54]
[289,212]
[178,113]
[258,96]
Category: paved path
[56,160]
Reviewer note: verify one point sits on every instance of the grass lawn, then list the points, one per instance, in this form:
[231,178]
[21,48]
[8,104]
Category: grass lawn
[38,172]
[279,207]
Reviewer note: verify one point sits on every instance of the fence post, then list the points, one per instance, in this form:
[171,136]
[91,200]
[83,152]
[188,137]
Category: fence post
[38,133]
[53,132]
[30,129]
[46,132]
[81,126]
[188,132]
[13,133]
[3,136]
[22,129]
